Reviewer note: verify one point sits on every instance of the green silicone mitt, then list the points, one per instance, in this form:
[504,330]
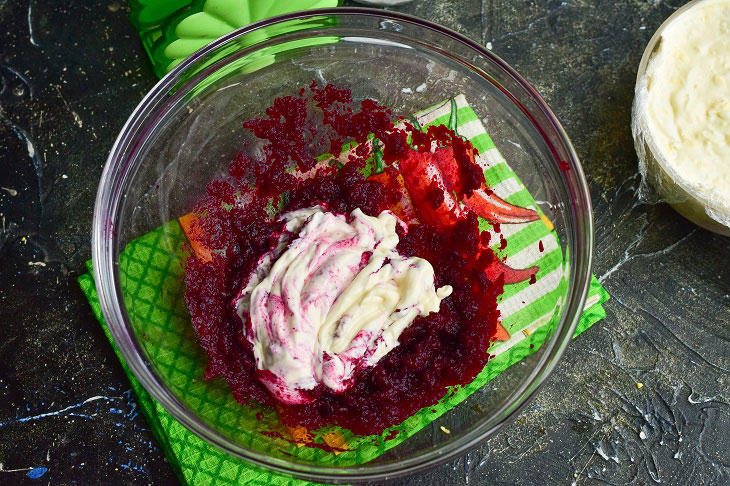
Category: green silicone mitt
[171,30]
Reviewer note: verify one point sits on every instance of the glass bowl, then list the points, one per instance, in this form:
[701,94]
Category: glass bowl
[186,130]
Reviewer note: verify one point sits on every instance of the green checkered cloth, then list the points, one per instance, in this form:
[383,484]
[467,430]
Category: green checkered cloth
[151,281]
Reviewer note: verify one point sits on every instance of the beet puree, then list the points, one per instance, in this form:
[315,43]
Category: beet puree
[441,350]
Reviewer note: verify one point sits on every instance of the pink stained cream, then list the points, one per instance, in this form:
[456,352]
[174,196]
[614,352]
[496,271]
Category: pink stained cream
[330,298]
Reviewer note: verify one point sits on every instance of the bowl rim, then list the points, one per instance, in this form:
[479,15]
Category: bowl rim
[651,45]
[104,245]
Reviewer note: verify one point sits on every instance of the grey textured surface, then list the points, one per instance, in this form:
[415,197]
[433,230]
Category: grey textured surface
[642,397]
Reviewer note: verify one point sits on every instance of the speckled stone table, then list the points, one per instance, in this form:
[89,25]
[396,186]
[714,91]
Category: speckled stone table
[642,397]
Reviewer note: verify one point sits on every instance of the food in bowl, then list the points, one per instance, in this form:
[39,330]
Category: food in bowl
[353,288]
[681,119]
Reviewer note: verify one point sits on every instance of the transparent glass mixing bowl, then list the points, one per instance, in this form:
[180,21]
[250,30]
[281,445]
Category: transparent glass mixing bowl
[187,129]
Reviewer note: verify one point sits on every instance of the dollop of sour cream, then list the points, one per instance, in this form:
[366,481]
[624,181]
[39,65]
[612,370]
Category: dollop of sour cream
[332,297]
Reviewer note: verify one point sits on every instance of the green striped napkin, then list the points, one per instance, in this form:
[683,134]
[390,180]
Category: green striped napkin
[151,282]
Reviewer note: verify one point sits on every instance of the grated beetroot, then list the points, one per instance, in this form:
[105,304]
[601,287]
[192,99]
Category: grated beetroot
[438,351]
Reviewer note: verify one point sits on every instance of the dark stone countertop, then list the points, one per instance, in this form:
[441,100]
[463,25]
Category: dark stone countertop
[642,397]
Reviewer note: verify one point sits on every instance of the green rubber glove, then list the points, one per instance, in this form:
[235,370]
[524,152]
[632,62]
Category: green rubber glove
[171,30]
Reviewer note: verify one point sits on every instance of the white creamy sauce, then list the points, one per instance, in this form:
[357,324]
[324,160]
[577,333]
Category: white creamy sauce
[686,106]
[332,297]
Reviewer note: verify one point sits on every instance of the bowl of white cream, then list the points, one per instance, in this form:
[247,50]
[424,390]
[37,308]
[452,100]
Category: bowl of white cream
[681,113]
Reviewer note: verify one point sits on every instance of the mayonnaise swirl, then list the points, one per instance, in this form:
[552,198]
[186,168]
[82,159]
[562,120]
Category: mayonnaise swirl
[332,297]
